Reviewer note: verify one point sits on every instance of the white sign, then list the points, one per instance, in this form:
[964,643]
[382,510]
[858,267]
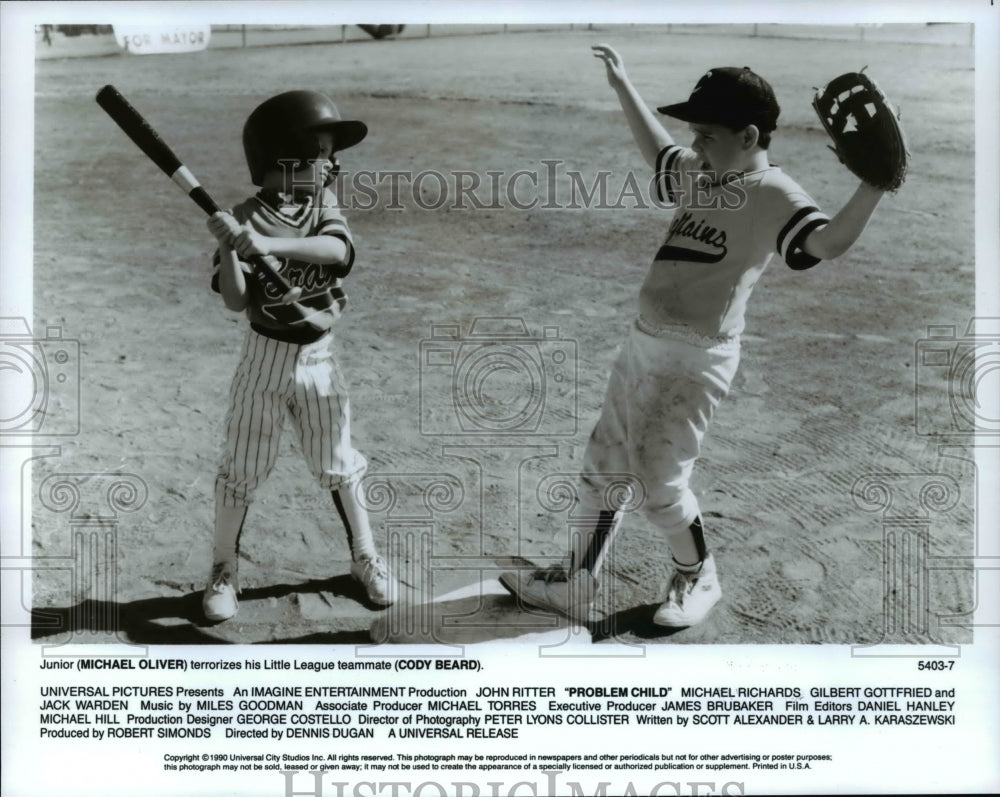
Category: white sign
[144,40]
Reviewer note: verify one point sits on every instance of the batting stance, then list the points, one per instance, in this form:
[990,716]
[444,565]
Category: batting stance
[287,364]
[734,211]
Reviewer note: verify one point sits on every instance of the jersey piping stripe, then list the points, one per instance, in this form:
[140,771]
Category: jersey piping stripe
[791,224]
[338,229]
[348,264]
[664,172]
[332,227]
[302,217]
[793,234]
[798,258]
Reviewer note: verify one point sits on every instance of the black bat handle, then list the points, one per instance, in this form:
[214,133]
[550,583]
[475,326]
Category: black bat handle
[203,200]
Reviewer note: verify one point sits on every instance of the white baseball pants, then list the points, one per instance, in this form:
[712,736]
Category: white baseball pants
[273,379]
[664,388]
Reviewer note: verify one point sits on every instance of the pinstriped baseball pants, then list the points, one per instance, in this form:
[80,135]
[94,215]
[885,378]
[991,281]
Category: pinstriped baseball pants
[664,388]
[273,379]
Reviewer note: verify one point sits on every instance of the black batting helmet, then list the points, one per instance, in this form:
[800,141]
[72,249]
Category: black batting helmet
[279,129]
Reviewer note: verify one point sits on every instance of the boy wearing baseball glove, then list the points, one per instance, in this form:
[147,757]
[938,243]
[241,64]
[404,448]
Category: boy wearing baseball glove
[288,364]
[734,212]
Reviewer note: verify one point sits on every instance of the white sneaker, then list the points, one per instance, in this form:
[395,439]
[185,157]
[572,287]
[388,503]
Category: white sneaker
[690,596]
[219,601]
[374,575]
[553,590]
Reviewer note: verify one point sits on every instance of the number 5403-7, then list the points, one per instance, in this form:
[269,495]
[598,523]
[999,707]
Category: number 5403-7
[935,664]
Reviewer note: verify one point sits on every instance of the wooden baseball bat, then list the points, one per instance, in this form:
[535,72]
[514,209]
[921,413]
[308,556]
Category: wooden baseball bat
[135,126]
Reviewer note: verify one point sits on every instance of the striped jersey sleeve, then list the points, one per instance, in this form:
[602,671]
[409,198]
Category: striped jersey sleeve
[792,237]
[671,164]
[330,221]
[789,216]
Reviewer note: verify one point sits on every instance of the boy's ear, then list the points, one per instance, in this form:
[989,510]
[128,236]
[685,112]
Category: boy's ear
[751,135]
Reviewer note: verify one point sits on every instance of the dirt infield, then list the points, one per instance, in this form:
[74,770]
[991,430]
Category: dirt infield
[820,422]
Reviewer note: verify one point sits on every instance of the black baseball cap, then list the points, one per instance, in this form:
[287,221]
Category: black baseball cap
[731,96]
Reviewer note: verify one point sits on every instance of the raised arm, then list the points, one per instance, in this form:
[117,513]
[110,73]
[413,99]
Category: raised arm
[649,134]
[846,227]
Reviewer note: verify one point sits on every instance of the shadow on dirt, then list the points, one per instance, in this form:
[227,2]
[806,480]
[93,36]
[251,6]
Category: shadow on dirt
[634,623]
[178,620]
[269,615]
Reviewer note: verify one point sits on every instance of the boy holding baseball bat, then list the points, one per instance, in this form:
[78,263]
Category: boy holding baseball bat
[734,211]
[288,364]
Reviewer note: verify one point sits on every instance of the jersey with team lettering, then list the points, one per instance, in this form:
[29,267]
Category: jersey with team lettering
[720,240]
[273,215]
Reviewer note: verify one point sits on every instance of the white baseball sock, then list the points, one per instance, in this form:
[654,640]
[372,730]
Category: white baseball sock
[355,519]
[589,546]
[228,527]
[687,546]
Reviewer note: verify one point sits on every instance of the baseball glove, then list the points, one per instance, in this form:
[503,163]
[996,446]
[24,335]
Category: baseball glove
[865,129]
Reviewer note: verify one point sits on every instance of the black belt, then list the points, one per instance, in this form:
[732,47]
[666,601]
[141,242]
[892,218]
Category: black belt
[290,334]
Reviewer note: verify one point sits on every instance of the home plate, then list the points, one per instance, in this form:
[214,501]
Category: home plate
[477,613]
